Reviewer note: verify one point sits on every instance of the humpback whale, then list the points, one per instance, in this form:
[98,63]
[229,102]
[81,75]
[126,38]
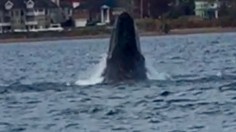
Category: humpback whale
[124,59]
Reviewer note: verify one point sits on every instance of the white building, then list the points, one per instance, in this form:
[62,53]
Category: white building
[27,15]
[206,9]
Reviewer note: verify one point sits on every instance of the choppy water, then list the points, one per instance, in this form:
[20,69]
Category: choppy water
[194,90]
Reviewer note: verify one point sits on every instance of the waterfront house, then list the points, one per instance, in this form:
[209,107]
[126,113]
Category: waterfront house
[207,9]
[100,12]
[66,8]
[81,15]
[27,15]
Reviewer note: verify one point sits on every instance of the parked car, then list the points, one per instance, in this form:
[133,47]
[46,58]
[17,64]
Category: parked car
[55,27]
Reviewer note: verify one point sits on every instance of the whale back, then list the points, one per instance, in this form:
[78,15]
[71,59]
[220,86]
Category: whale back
[124,34]
[124,60]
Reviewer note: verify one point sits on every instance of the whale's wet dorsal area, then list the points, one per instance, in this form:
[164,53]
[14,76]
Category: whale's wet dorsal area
[125,60]
[124,35]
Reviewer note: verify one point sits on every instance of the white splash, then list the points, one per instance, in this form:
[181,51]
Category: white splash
[219,74]
[153,74]
[96,76]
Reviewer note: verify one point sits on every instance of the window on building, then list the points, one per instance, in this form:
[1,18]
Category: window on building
[48,12]
[69,12]
[8,28]
[12,13]
[22,13]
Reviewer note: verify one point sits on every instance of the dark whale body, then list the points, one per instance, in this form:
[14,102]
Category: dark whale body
[125,60]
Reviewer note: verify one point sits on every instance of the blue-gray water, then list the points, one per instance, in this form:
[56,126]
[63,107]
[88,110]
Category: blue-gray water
[38,91]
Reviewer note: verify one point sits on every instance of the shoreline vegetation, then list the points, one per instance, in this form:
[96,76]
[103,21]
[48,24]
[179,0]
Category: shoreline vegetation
[107,35]
[146,27]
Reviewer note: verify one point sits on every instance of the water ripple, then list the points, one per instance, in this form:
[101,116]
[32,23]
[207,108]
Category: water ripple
[37,91]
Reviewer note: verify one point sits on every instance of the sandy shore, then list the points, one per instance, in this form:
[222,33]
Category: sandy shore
[172,32]
[203,30]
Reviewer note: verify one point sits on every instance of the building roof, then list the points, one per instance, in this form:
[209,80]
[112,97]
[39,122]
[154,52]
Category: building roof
[17,4]
[21,4]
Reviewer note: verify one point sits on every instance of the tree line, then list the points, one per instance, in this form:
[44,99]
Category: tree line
[171,9]
[176,8]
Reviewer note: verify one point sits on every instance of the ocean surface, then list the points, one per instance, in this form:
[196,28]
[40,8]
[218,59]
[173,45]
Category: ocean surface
[54,86]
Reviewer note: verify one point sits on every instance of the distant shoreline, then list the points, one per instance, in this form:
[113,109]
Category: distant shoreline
[172,32]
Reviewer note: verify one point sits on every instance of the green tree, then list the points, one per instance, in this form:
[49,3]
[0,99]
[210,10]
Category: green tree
[228,9]
[159,7]
[181,8]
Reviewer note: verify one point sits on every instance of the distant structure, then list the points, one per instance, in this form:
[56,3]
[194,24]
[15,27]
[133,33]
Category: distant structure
[206,9]
[54,15]
[57,2]
[44,15]
[80,15]
[32,15]
[99,13]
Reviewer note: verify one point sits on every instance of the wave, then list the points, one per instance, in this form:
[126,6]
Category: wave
[227,82]
[35,87]
[210,78]
[153,74]
[96,72]
[96,77]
